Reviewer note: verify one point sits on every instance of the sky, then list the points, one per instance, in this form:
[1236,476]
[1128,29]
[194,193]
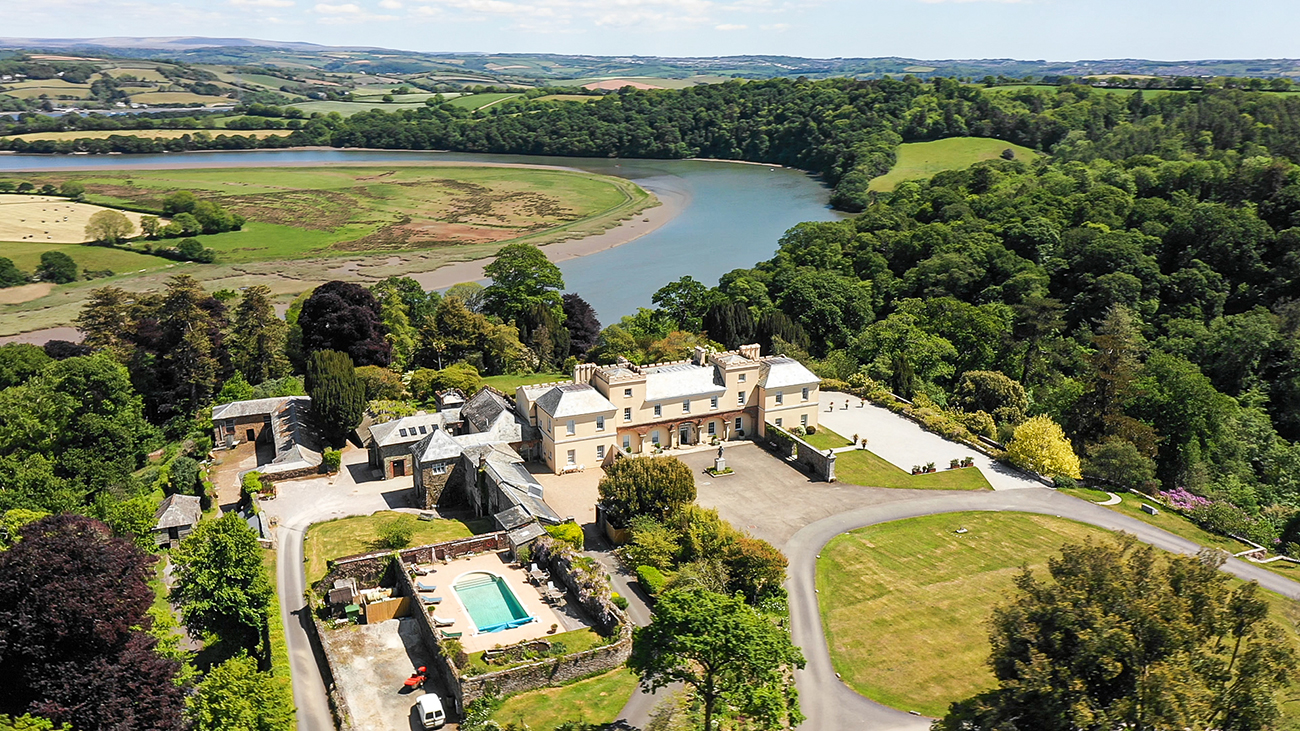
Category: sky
[1058,30]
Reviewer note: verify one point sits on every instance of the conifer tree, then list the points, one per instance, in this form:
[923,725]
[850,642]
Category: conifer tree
[258,337]
[338,397]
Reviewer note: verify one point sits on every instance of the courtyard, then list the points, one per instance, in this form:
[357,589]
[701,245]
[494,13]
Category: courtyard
[370,663]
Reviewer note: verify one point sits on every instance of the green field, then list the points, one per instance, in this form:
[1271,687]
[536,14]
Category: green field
[478,101]
[920,160]
[509,383]
[863,467]
[26,255]
[904,605]
[325,542]
[596,700]
[347,109]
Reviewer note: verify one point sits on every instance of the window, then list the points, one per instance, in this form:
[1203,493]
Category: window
[440,468]
[780,398]
[740,423]
[686,406]
[740,398]
[627,393]
[659,410]
[654,437]
[571,427]
[778,421]
[627,442]
[713,402]
[600,423]
[423,431]
[713,428]
[402,432]
[571,458]
[805,394]
[741,377]
[803,420]
[600,451]
[627,414]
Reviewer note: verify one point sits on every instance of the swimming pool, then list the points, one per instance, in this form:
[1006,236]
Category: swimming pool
[491,604]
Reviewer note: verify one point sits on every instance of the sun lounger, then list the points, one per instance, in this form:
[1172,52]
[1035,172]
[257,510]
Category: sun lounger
[451,635]
[431,599]
[441,622]
[421,586]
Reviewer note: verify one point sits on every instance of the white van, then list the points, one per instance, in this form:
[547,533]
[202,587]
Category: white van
[429,708]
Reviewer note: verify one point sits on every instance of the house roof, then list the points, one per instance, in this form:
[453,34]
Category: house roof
[439,446]
[680,380]
[178,511]
[512,517]
[574,399]
[296,446]
[408,429]
[256,407]
[781,371]
[483,408]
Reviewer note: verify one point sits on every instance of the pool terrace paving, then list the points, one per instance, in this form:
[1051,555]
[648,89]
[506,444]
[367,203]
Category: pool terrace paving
[444,576]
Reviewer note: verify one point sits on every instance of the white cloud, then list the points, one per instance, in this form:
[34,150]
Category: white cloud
[262,3]
[346,13]
[1000,2]
[390,4]
[729,26]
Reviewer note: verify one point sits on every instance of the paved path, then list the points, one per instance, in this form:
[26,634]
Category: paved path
[297,506]
[831,705]
[904,444]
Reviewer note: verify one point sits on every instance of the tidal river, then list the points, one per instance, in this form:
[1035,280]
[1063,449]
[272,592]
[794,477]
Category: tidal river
[728,215]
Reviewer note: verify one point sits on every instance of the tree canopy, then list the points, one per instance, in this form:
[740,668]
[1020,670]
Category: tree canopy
[653,487]
[345,317]
[221,584]
[338,396]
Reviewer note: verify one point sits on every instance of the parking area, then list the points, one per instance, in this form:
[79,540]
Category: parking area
[370,664]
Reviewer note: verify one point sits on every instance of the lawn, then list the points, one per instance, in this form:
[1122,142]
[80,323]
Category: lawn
[351,536]
[508,384]
[904,605]
[863,467]
[827,439]
[919,160]
[179,97]
[596,700]
[579,640]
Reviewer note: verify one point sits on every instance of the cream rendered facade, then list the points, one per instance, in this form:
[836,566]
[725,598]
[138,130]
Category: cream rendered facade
[635,409]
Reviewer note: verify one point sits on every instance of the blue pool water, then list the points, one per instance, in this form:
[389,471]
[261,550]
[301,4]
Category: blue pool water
[490,602]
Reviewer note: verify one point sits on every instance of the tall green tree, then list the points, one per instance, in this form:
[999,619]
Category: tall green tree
[739,662]
[684,301]
[57,267]
[236,696]
[106,320]
[258,337]
[338,397]
[522,277]
[654,487]
[1122,636]
[396,316]
[221,584]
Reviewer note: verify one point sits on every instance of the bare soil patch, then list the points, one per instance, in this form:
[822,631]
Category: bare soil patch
[25,293]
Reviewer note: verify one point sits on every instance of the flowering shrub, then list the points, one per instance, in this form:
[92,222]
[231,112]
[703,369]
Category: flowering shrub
[1180,499]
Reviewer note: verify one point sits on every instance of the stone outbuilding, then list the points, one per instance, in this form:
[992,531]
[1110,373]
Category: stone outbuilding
[176,518]
[390,443]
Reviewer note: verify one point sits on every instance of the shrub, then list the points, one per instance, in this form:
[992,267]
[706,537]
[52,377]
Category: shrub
[653,544]
[455,652]
[619,600]
[396,533]
[650,486]
[381,384]
[651,579]
[810,429]
[1064,482]
[570,533]
[252,484]
[184,476]
[524,554]
[331,459]
[1039,445]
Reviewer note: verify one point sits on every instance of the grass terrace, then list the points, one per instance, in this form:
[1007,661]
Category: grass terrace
[327,541]
[826,439]
[863,467]
[595,700]
[509,383]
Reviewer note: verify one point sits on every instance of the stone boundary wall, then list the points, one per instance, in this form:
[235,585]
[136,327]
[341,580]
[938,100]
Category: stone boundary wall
[338,704]
[820,464]
[442,667]
[369,568]
[551,671]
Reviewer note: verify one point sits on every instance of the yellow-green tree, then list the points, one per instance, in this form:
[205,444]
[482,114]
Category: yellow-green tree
[109,227]
[1039,445]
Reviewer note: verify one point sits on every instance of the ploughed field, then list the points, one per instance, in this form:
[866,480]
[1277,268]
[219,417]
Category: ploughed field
[905,605]
[307,225]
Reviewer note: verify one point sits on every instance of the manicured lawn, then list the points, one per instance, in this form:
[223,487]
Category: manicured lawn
[862,467]
[826,439]
[351,536]
[904,605]
[508,384]
[596,700]
[919,160]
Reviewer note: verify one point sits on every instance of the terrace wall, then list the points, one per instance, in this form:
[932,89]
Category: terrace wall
[368,568]
[787,446]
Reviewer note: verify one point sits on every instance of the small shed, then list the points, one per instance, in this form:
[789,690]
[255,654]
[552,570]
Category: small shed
[175,518]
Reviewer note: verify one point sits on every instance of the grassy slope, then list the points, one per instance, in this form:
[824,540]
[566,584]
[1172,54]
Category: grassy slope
[826,439]
[596,700]
[351,536]
[508,384]
[918,160]
[904,604]
[862,467]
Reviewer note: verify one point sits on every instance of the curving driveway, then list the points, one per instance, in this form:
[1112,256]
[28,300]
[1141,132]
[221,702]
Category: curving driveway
[831,705]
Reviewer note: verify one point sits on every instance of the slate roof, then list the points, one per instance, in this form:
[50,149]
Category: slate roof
[574,399]
[680,380]
[781,371]
[178,511]
[406,430]
[295,443]
[439,446]
[483,408]
[242,409]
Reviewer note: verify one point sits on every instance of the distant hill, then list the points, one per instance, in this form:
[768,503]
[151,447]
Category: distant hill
[514,67]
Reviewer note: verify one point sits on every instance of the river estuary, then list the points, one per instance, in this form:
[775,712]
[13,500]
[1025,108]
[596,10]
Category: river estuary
[730,215]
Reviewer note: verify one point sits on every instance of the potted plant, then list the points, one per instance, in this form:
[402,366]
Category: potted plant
[929,467]
[554,627]
[968,462]
[954,464]
[916,469]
